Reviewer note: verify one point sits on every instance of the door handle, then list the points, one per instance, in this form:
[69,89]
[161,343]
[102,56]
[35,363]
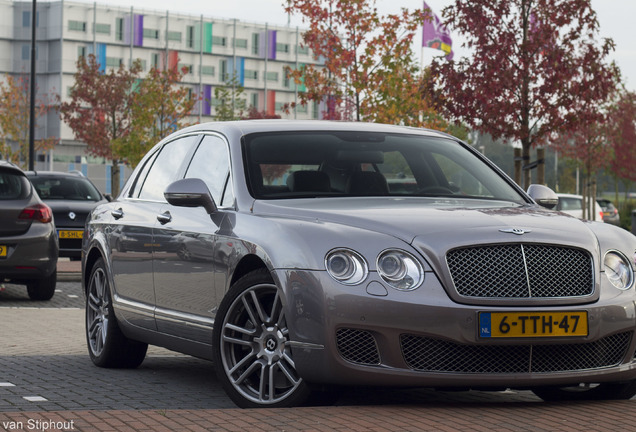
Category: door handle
[117,214]
[164,218]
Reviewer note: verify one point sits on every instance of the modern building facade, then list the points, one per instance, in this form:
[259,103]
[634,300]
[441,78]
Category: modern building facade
[213,50]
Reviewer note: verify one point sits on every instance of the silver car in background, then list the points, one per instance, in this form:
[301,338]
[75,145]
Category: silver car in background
[300,255]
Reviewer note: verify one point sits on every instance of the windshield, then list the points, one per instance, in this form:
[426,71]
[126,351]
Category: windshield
[65,188]
[285,165]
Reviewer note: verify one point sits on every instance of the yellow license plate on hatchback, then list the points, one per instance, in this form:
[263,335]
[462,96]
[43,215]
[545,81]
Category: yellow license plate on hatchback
[71,234]
[532,324]
[3,251]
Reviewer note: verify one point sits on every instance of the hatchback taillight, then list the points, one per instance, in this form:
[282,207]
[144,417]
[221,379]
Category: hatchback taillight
[38,212]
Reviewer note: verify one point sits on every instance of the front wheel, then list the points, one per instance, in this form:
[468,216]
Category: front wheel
[107,345]
[585,391]
[252,356]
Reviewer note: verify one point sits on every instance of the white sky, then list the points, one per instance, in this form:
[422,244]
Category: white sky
[615,17]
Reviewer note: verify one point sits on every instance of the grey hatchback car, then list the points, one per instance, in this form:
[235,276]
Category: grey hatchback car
[300,255]
[28,242]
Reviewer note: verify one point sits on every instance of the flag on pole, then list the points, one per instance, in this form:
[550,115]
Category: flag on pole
[436,35]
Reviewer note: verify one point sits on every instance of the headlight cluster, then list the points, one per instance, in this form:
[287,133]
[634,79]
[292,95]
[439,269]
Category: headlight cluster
[618,270]
[397,268]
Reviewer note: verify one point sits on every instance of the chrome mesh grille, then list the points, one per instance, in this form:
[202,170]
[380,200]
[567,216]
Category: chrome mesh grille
[357,346]
[433,355]
[521,271]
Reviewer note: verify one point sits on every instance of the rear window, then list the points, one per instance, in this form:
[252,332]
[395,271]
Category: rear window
[65,188]
[13,186]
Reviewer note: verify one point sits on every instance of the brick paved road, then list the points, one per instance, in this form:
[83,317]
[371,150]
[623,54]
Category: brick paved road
[47,382]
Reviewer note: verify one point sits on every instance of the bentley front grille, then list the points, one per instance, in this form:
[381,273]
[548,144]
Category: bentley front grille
[357,346]
[434,355]
[521,271]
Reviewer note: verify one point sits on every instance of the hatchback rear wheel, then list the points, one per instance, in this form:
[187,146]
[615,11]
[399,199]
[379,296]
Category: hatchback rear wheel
[107,345]
[252,356]
[42,289]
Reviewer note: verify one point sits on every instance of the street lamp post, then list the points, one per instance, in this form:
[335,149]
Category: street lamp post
[32,87]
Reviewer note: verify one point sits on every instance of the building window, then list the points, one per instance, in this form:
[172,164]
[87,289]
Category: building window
[271,76]
[154,60]
[251,74]
[151,34]
[77,26]
[278,106]
[281,47]
[81,51]
[302,50]
[207,70]
[119,29]
[189,68]
[255,39]
[114,62]
[174,36]
[219,40]
[190,37]
[26,19]
[143,64]
[26,52]
[300,108]
[223,67]
[315,110]
[254,100]
[240,43]
[102,28]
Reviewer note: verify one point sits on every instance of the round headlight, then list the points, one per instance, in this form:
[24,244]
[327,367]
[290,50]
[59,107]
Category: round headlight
[400,269]
[618,270]
[346,266]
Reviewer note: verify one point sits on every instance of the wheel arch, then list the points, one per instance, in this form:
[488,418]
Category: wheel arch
[246,265]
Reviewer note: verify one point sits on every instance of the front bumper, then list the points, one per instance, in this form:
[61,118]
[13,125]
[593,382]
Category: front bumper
[372,334]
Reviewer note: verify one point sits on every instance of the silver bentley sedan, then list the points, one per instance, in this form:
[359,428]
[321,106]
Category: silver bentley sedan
[303,255]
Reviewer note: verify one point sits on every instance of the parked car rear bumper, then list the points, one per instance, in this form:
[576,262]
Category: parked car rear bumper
[30,256]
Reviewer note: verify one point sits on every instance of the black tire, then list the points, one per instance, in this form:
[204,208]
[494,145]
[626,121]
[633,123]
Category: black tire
[42,289]
[602,391]
[107,345]
[250,346]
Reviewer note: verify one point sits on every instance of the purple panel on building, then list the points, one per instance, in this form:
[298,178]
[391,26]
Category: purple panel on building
[272,44]
[139,30]
[207,96]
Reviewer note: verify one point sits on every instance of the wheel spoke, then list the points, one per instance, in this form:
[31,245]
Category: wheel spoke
[236,341]
[247,373]
[248,358]
[259,308]
[245,331]
[288,373]
[250,311]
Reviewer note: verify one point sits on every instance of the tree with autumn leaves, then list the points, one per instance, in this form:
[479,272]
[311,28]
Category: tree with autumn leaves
[369,72]
[160,107]
[535,65]
[120,116]
[14,121]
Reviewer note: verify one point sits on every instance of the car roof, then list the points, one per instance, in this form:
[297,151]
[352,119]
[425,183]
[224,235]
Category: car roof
[73,174]
[4,164]
[277,125]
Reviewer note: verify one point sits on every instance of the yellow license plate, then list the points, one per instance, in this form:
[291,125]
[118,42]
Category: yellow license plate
[71,234]
[3,251]
[532,324]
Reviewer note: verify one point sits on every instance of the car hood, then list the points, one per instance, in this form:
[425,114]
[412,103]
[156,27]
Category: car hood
[435,224]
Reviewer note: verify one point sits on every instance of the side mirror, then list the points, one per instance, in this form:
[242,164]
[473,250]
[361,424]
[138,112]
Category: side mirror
[190,192]
[543,195]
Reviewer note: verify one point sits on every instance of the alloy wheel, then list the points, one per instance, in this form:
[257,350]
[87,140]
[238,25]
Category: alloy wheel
[255,352]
